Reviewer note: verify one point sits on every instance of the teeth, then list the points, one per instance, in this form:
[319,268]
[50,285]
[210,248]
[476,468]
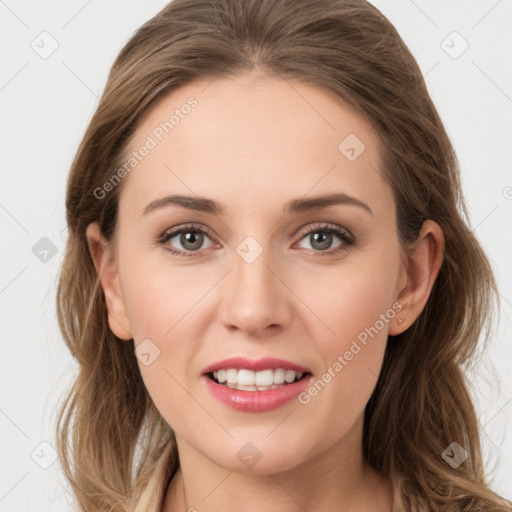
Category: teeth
[264,378]
[289,376]
[232,376]
[247,380]
[279,376]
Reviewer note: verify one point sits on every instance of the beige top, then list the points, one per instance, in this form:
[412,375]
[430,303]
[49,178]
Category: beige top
[152,498]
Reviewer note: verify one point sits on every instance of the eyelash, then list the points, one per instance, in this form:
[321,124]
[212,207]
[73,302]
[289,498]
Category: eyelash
[347,239]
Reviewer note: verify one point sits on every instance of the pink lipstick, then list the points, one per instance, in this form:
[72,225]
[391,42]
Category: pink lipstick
[255,385]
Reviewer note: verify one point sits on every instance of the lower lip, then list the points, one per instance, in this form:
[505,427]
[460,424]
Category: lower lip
[256,401]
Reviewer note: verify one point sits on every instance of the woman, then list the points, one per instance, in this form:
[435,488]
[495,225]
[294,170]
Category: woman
[269,284]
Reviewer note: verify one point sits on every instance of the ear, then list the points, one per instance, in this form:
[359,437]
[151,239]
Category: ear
[107,269]
[422,263]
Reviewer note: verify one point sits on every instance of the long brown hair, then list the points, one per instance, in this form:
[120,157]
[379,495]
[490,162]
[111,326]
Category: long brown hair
[109,432]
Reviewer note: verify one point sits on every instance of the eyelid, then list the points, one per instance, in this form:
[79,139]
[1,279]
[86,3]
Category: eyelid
[192,226]
[318,226]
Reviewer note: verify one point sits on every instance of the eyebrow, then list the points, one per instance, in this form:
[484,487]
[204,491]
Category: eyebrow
[206,205]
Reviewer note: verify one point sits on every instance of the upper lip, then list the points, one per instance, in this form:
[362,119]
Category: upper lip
[255,365]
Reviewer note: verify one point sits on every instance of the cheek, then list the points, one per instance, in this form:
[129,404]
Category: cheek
[158,297]
[350,298]
[161,320]
[356,306]
[165,313]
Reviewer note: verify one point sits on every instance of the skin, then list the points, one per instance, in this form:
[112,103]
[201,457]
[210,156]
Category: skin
[252,144]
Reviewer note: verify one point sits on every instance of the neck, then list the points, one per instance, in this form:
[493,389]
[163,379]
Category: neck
[323,482]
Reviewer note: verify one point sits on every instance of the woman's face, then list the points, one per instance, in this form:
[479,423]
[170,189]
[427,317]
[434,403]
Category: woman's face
[263,269]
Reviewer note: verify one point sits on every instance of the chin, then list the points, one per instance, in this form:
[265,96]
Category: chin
[258,456]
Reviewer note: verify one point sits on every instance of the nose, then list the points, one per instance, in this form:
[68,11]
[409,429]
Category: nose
[255,298]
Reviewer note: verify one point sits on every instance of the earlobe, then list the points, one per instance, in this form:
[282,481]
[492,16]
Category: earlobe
[424,260]
[107,270]
[399,323]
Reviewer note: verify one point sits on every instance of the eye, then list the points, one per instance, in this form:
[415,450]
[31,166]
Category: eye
[321,237]
[190,237]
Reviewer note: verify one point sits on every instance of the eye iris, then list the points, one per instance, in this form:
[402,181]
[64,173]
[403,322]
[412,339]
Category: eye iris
[193,237]
[324,238]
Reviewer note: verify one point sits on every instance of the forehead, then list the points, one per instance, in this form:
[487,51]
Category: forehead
[254,135]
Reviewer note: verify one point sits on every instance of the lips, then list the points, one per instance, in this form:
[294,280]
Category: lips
[255,385]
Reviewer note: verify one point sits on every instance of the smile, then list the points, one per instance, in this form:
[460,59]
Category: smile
[248,380]
[255,385]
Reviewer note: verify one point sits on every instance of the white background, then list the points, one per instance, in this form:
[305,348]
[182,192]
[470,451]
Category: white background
[45,105]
